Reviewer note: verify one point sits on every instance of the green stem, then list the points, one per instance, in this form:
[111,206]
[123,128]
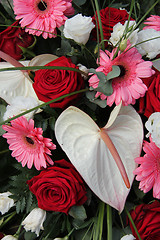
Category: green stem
[109,222]
[99,224]
[130,12]
[132,222]
[3,16]
[100,23]
[144,16]
[43,67]
[100,219]
[44,104]
[8,219]
[4,151]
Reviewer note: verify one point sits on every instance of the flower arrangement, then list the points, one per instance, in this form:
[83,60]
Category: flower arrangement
[79,120]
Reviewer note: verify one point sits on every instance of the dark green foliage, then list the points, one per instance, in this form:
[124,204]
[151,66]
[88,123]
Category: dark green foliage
[21,194]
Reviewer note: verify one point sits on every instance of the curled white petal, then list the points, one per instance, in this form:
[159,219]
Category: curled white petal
[128,237]
[34,221]
[19,105]
[9,237]
[15,83]
[5,202]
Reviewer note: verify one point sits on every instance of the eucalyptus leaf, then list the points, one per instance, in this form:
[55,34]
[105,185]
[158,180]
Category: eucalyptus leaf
[114,73]
[79,2]
[105,83]
[106,88]
[156,64]
[91,96]
[78,212]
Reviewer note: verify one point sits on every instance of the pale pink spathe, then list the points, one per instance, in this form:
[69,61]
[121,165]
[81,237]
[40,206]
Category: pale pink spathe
[148,173]
[27,143]
[153,22]
[42,17]
[128,86]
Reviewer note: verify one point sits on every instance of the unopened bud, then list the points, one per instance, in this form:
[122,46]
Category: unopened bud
[123,45]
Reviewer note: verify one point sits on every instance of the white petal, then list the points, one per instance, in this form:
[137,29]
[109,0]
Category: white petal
[42,59]
[15,83]
[80,139]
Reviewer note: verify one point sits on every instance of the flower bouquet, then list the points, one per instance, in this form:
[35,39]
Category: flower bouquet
[79,120]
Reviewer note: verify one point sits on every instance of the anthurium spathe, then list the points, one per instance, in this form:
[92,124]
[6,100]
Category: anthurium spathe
[94,157]
[18,83]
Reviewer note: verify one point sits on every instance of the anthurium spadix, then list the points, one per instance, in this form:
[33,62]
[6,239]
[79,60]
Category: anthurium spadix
[93,151]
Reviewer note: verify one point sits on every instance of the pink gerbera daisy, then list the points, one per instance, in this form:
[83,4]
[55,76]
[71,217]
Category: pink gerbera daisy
[27,143]
[128,86]
[42,16]
[148,173]
[153,22]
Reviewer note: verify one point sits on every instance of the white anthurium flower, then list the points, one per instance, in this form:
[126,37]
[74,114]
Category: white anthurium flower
[9,237]
[153,127]
[78,28]
[15,83]
[5,202]
[96,153]
[34,221]
[128,237]
[42,59]
[19,105]
[18,83]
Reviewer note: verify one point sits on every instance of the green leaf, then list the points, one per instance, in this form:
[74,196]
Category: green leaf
[52,121]
[23,204]
[105,83]
[79,224]
[2,111]
[18,207]
[114,73]
[29,202]
[30,236]
[78,212]
[91,96]
[156,64]
[79,2]
[104,86]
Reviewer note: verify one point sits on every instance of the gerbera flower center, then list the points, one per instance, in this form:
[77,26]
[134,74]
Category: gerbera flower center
[123,71]
[30,140]
[42,5]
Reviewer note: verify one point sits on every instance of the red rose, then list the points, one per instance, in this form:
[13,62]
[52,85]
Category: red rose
[50,84]
[109,18]
[13,37]
[58,188]
[147,220]
[151,102]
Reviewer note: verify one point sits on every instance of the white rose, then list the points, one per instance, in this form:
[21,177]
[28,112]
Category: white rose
[118,31]
[153,127]
[34,221]
[78,28]
[9,237]
[5,202]
[149,48]
[128,237]
[19,105]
